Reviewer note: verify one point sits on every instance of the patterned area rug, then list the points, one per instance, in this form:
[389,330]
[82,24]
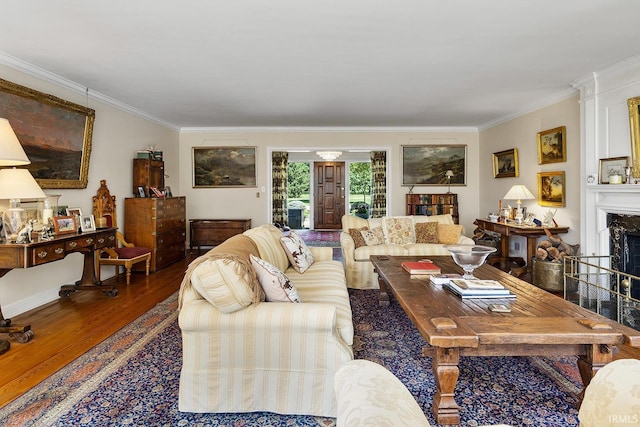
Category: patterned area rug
[320,238]
[132,379]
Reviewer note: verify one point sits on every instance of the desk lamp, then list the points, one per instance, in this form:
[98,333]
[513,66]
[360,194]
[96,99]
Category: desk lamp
[15,184]
[519,193]
[449,175]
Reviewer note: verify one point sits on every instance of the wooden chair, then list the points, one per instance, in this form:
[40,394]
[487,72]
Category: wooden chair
[123,253]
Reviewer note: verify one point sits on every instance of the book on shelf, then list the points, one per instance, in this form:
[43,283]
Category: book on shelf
[478,284]
[421,267]
[441,279]
[480,294]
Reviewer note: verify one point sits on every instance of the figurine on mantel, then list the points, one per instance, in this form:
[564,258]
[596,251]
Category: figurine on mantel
[555,249]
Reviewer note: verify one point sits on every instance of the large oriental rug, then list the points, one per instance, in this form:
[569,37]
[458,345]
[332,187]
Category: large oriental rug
[132,379]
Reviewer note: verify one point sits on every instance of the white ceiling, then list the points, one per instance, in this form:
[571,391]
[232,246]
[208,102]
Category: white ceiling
[302,63]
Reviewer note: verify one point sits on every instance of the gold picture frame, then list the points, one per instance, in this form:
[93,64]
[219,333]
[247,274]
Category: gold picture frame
[634,124]
[220,167]
[551,189]
[505,164]
[54,133]
[612,166]
[552,146]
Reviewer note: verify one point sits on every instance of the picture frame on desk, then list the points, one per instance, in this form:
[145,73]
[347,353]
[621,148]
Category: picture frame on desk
[87,223]
[141,192]
[74,212]
[64,224]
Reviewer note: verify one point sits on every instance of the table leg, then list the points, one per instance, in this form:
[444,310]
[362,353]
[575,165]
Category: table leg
[21,333]
[446,371]
[383,296]
[598,355]
[88,281]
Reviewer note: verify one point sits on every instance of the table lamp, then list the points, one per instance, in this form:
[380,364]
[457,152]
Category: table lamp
[519,193]
[449,174]
[15,184]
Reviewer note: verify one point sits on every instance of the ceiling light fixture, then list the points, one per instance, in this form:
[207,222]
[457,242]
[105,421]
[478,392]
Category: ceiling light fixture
[329,155]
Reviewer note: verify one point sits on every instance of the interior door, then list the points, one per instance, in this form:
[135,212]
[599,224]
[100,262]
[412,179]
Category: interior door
[329,181]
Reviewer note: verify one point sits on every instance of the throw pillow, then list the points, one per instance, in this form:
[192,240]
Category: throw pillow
[223,283]
[357,236]
[427,232]
[399,230]
[276,285]
[373,237]
[297,251]
[449,234]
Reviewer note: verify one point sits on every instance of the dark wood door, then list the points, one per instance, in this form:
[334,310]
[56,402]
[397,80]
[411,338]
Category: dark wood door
[329,195]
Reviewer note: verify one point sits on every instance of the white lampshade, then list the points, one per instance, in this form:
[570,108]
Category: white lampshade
[519,193]
[449,174]
[329,155]
[19,184]
[11,152]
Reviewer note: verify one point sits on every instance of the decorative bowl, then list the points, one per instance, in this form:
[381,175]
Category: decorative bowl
[469,257]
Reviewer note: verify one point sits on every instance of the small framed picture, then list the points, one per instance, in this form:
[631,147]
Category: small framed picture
[612,166]
[141,192]
[74,212]
[551,189]
[552,146]
[87,223]
[530,218]
[64,224]
[505,164]
[167,191]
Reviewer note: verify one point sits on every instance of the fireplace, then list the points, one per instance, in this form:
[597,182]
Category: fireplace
[624,246]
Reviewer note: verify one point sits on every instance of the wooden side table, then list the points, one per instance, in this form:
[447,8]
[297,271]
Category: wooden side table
[530,232]
[212,232]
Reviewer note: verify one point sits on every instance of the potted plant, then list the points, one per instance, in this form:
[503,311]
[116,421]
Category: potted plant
[362,211]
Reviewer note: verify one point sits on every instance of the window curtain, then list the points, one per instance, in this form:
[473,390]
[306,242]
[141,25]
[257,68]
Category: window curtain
[279,161]
[379,184]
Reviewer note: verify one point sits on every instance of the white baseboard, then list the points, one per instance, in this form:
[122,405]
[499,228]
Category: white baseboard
[30,303]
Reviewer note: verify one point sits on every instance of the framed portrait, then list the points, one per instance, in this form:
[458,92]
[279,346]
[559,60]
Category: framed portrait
[54,133]
[74,212]
[612,166]
[428,164]
[505,164]
[634,124]
[141,192]
[552,146]
[87,223]
[64,224]
[551,189]
[224,167]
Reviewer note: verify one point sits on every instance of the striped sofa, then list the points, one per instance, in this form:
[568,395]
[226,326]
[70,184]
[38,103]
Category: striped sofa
[241,354]
[359,269]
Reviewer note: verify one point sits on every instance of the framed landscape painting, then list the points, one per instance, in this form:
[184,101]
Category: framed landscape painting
[428,164]
[224,167]
[551,189]
[54,133]
[552,146]
[505,164]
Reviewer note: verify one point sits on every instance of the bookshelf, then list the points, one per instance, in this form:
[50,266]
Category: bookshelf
[433,204]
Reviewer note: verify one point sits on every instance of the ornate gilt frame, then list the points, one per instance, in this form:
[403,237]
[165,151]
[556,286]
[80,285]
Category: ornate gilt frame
[55,134]
[634,122]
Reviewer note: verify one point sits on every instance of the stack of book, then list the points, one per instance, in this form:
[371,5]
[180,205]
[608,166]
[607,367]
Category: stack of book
[476,288]
[420,268]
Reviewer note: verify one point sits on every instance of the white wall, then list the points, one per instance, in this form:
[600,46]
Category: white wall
[244,203]
[117,136]
[521,133]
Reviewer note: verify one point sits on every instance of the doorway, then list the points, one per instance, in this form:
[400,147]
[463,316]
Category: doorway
[329,195]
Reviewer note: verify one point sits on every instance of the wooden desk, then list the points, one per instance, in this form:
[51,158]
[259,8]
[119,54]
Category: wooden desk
[14,255]
[539,324]
[212,232]
[531,233]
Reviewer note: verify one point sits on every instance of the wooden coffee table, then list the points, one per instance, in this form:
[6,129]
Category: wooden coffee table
[539,324]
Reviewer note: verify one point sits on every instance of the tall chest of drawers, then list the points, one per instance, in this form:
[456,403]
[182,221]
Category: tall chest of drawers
[159,224]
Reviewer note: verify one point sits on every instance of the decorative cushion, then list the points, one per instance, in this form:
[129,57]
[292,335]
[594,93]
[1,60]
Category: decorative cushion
[128,253]
[223,284]
[373,237]
[448,234]
[276,285]
[399,230]
[297,251]
[427,232]
[357,236]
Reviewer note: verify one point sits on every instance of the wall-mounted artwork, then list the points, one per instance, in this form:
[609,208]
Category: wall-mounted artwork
[634,124]
[428,164]
[224,167]
[54,133]
[551,189]
[505,164]
[552,146]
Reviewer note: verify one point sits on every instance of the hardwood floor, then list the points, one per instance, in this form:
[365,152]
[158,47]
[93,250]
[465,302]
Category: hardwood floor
[67,328]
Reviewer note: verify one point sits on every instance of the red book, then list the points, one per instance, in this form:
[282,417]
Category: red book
[421,267]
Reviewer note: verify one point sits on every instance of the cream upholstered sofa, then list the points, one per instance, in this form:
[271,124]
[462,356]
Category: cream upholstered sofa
[241,354]
[398,240]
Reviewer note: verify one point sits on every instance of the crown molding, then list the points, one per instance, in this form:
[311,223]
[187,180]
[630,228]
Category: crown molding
[431,129]
[42,74]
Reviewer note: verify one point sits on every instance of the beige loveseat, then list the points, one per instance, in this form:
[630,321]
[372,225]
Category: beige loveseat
[358,268]
[244,355]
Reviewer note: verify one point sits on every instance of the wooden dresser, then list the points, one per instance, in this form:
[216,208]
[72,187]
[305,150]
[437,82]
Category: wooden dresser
[159,224]
[212,232]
